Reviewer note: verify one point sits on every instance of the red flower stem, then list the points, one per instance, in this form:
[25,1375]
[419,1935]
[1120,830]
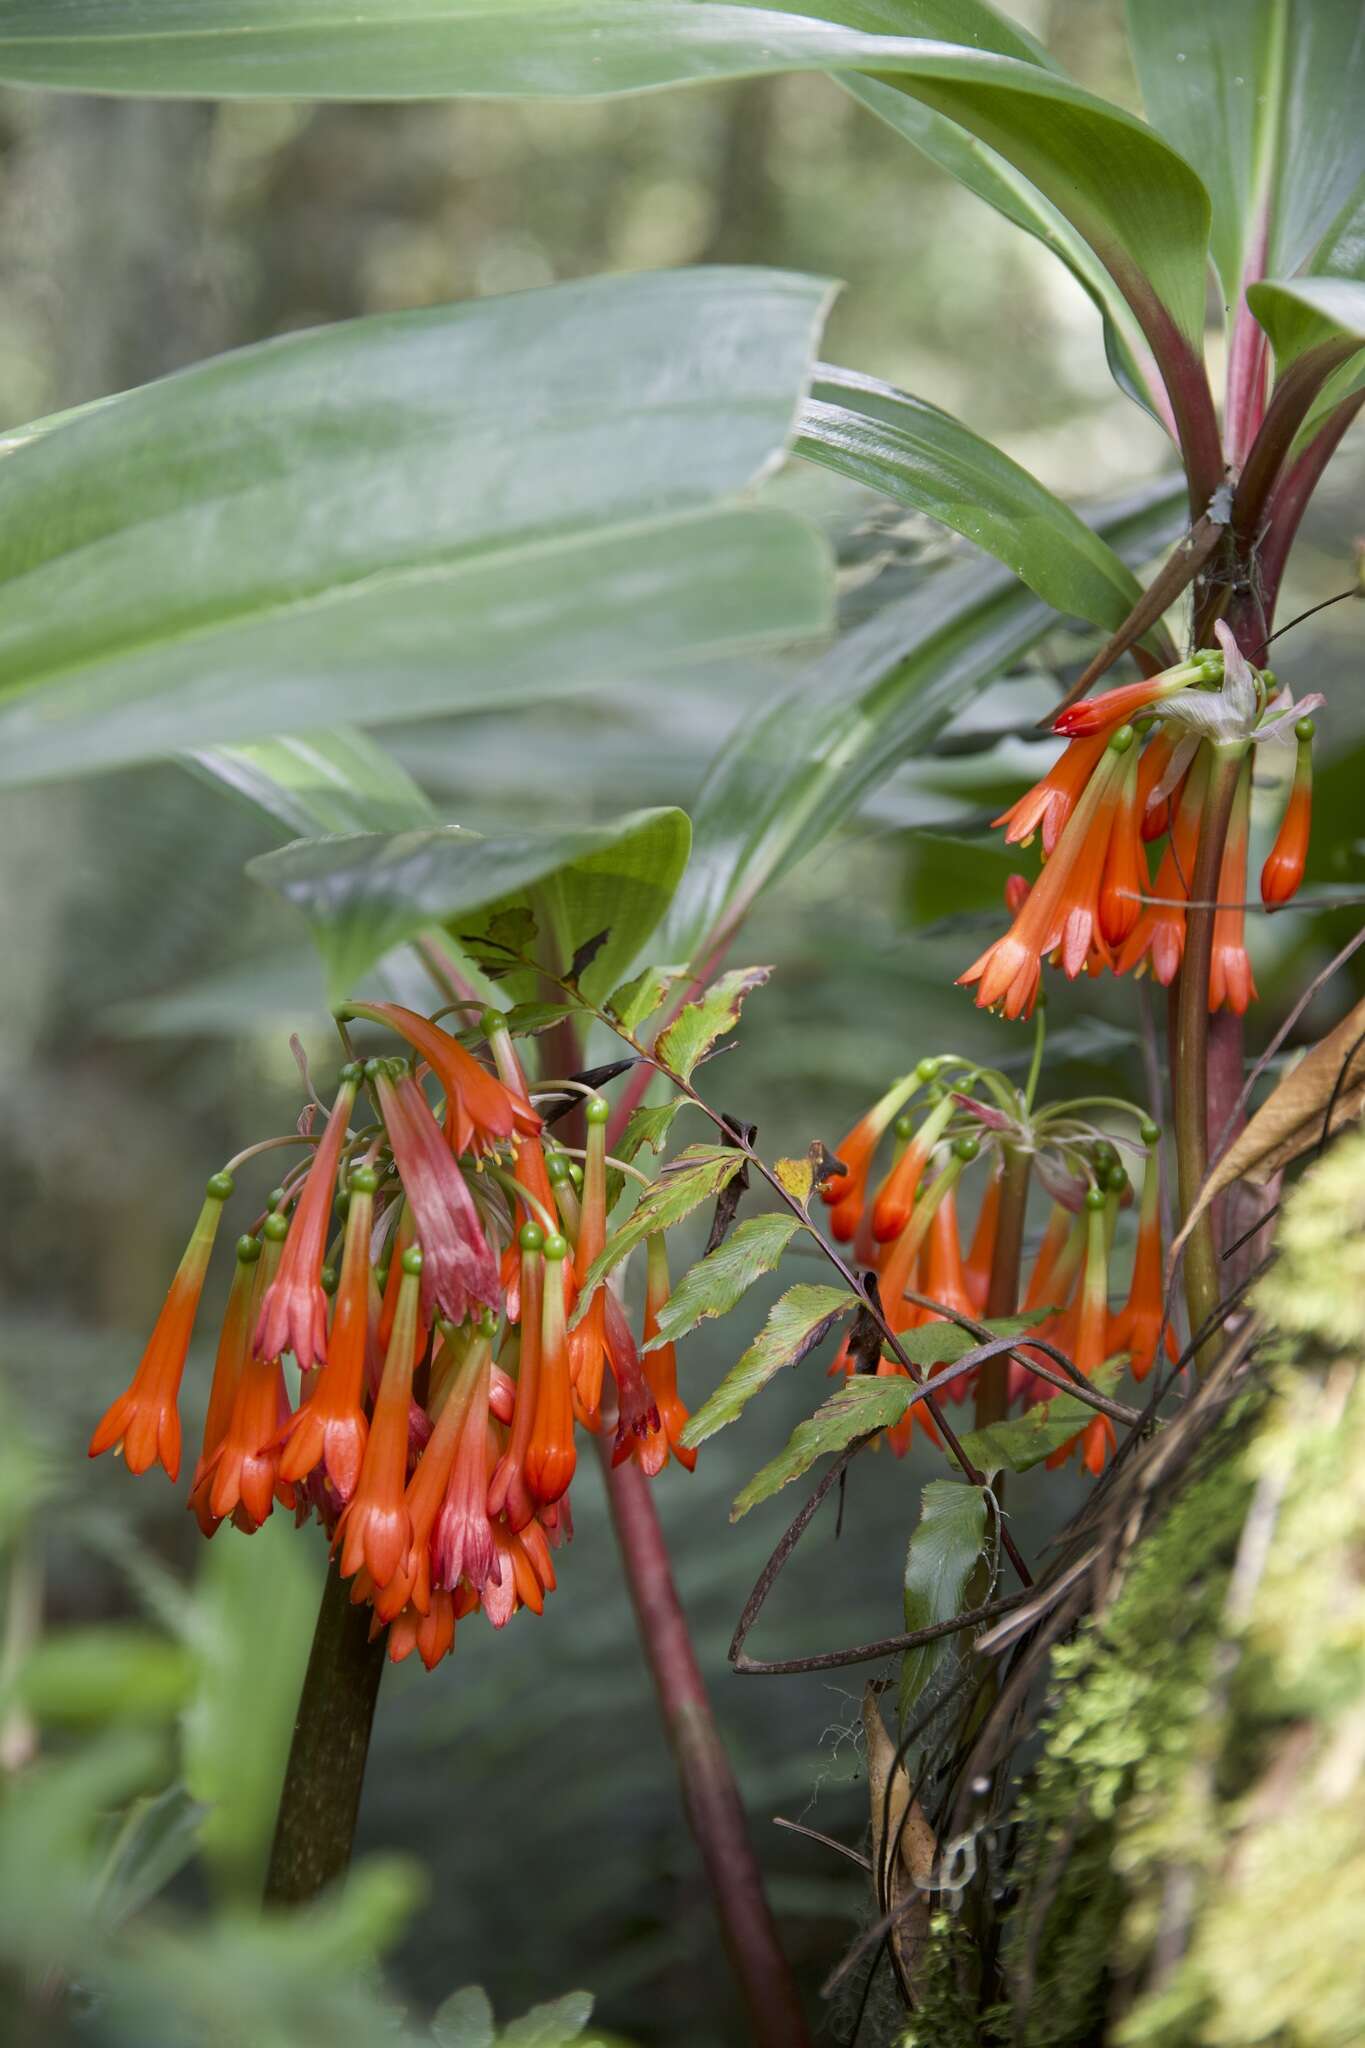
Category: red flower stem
[322,1781]
[710,1794]
[1002,1292]
[1190,1041]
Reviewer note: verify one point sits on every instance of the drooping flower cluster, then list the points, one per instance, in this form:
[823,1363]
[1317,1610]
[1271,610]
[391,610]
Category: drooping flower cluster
[395,1354]
[1134,774]
[905,1228]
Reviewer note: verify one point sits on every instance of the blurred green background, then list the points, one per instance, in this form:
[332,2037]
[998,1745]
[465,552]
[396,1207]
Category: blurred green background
[150,991]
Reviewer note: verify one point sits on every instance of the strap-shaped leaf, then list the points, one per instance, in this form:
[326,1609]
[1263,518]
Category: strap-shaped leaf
[795,772]
[1317,330]
[795,1325]
[363,893]
[1263,98]
[346,523]
[924,458]
[859,1405]
[946,1548]
[335,781]
[717,1282]
[689,1180]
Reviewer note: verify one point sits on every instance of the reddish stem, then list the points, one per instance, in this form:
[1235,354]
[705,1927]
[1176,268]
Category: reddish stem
[1289,500]
[1248,358]
[710,1794]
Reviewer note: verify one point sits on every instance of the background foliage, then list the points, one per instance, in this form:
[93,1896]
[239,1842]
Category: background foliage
[149,998]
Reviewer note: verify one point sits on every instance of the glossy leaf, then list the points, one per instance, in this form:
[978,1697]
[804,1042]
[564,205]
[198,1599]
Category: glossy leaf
[724,1276]
[948,1544]
[338,780]
[795,1325]
[346,524]
[1263,98]
[924,458]
[424,49]
[993,179]
[363,893]
[860,1405]
[695,1030]
[1316,327]
[797,770]
[689,1180]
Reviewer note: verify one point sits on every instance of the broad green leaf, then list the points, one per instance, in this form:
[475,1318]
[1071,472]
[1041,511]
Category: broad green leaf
[924,458]
[1263,98]
[1317,328]
[945,1550]
[338,780]
[364,893]
[692,1178]
[345,524]
[795,1325]
[716,1283]
[882,692]
[1029,1438]
[648,1125]
[464,2020]
[860,1405]
[695,1030]
[424,49]
[996,181]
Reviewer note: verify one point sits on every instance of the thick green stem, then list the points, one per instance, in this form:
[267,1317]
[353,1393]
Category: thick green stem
[326,1769]
[1189,1041]
[1002,1293]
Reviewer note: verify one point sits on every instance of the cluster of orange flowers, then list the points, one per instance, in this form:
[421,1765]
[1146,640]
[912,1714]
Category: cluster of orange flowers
[421,1272]
[1135,772]
[907,1231]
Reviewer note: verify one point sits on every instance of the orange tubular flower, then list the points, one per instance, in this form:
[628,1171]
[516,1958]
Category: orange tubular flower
[981,1256]
[145,1419]
[1283,870]
[330,1427]
[1092,1328]
[1137,1326]
[1125,865]
[1160,930]
[459,1271]
[510,1491]
[945,1280]
[481,1112]
[375,1529]
[1155,815]
[588,1341]
[234,1342]
[660,1360]
[462,1538]
[429,1483]
[1049,803]
[294,1312]
[901,1258]
[895,1201]
[1062,907]
[1230,977]
[1115,707]
[240,1477]
[846,1193]
[639,1432]
[550,1454]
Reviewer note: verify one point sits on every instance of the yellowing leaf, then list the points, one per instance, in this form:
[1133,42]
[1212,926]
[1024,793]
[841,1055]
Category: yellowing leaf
[695,1030]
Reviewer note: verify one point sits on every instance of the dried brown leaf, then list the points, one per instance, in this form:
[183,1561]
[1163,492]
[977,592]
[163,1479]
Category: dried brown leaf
[1294,1118]
[904,1846]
